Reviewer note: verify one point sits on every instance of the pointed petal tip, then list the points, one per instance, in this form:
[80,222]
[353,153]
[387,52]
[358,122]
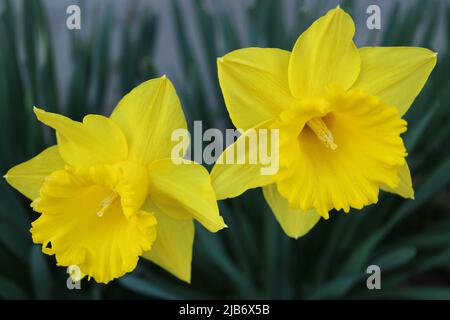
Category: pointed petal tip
[339,9]
[220,60]
[219,227]
[38,111]
[5,176]
[160,80]
[184,276]
[294,235]
[164,78]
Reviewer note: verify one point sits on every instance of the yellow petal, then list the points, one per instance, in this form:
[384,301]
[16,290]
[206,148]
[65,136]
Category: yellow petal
[148,115]
[172,249]
[132,186]
[96,140]
[405,188]
[254,84]
[294,222]
[323,55]
[235,171]
[29,176]
[395,74]
[82,225]
[185,190]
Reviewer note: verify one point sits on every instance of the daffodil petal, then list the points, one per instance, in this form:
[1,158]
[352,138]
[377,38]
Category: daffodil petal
[254,84]
[96,140]
[29,176]
[323,55]
[172,249]
[185,189]
[404,188]
[395,74]
[235,172]
[294,222]
[148,115]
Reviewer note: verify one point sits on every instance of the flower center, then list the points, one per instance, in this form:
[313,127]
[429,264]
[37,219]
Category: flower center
[318,126]
[106,203]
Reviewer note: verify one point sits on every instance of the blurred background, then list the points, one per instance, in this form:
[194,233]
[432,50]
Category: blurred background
[122,43]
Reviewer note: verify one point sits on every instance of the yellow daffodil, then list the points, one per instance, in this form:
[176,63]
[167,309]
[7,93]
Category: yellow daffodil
[109,192]
[339,112]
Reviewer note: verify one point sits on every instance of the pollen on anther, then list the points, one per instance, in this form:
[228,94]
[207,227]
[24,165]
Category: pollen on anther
[105,204]
[319,127]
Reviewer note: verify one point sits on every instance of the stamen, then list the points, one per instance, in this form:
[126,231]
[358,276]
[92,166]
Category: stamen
[106,203]
[318,126]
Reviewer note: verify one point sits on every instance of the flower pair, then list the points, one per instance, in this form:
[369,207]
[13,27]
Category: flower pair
[109,193]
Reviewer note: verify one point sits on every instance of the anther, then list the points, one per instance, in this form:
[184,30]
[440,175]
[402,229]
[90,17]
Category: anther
[106,203]
[318,126]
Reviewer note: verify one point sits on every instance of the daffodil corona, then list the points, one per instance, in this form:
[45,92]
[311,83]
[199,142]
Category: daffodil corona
[109,192]
[339,110]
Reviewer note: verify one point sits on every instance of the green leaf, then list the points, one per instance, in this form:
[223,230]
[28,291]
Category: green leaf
[101,58]
[41,278]
[442,259]
[337,287]
[146,288]
[10,290]
[420,293]
[396,258]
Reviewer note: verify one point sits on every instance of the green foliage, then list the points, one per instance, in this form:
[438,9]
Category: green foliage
[253,258]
